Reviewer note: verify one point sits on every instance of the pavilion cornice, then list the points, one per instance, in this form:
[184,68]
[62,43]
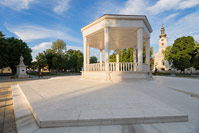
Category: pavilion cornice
[118,17]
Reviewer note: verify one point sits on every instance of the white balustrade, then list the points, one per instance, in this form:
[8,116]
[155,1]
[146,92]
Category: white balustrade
[126,66]
[95,67]
[122,66]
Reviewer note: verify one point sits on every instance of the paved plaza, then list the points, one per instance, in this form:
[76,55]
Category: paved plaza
[7,117]
[68,104]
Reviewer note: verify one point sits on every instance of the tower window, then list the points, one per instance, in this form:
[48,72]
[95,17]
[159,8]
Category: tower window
[162,44]
[162,40]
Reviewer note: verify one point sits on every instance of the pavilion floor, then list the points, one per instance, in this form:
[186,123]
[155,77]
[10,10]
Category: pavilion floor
[71,102]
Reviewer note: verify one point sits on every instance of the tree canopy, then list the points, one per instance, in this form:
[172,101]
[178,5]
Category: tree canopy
[59,59]
[3,51]
[10,51]
[196,57]
[126,55]
[93,59]
[182,53]
[59,46]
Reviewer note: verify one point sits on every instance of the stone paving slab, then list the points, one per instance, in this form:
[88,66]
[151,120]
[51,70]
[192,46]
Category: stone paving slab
[7,118]
[178,100]
[69,101]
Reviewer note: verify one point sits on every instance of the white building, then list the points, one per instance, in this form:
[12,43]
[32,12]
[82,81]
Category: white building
[116,32]
[159,63]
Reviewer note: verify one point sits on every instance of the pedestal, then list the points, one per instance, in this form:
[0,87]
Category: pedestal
[21,71]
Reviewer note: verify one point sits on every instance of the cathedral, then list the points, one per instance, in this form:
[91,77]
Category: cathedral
[159,63]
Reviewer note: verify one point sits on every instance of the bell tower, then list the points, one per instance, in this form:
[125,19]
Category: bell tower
[159,63]
[163,40]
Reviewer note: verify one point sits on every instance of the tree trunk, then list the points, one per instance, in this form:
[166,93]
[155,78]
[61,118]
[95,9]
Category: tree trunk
[13,70]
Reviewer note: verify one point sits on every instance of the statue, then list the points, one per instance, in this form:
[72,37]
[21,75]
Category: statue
[21,60]
[21,69]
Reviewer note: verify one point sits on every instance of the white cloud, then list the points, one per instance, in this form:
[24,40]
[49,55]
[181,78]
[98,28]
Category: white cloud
[61,6]
[40,48]
[33,32]
[188,4]
[16,4]
[163,5]
[134,7]
[186,26]
[170,17]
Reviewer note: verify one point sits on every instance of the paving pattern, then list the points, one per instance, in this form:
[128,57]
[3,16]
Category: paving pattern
[161,89]
[7,118]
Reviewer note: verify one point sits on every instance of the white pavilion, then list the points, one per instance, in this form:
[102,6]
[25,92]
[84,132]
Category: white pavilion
[116,32]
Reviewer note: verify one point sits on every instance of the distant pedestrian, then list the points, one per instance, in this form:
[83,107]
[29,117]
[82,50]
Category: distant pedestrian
[40,74]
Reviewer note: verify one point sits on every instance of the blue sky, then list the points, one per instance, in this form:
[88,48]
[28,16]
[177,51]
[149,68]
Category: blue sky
[40,22]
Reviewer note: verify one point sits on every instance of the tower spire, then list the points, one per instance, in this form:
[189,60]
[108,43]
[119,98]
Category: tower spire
[163,32]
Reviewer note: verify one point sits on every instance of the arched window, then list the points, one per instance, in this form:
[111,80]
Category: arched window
[162,44]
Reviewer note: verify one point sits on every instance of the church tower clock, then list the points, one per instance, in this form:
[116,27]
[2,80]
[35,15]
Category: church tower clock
[159,63]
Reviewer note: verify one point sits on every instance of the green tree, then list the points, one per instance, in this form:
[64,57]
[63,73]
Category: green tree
[41,61]
[151,57]
[74,60]
[181,53]
[59,46]
[126,55]
[16,48]
[49,55]
[167,54]
[93,59]
[34,65]
[3,51]
[112,57]
[196,57]
[58,62]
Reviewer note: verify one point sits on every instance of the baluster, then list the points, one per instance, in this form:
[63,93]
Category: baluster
[129,67]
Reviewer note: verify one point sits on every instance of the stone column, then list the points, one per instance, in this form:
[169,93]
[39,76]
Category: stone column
[88,55]
[140,48]
[101,56]
[117,59]
[85,53]
[148,53]
[107,47]
[134,59]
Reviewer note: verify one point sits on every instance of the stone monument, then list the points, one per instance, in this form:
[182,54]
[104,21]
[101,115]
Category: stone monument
[21,69]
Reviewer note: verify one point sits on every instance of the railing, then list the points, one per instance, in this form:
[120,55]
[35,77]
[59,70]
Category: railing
[95,67]
[122,66]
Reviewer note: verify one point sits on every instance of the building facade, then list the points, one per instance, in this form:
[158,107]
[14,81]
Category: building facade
[159,63]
